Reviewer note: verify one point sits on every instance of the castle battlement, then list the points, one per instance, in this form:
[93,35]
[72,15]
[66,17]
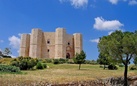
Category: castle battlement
[56,44]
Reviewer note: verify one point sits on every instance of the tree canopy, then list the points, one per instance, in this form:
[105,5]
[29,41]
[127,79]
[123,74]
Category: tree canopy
[121,46]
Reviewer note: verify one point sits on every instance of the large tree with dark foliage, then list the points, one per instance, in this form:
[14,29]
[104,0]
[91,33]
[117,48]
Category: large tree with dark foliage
[121,46]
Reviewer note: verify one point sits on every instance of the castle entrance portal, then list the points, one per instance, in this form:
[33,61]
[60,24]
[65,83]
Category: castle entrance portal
[68,56]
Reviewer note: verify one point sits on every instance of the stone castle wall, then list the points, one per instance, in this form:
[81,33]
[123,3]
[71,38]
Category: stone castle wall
[25,44]
[56,44]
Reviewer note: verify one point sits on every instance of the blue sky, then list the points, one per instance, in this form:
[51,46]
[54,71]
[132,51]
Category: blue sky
[92,18]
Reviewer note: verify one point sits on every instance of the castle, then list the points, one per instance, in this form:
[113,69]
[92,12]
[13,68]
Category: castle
[55,45]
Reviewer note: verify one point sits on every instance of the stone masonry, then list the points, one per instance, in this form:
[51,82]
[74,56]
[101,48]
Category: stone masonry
[56,44]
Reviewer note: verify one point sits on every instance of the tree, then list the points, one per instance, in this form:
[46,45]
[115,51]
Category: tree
[80,58]
[103,60]
[121,46]
[135,61]
[7,51]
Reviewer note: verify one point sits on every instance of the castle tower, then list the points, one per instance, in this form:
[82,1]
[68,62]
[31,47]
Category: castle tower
[60,43]
[36,43]
[77,42]
[24,45]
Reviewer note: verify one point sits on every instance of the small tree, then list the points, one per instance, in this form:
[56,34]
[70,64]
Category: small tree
[103,60]
[80,58]
[7,51]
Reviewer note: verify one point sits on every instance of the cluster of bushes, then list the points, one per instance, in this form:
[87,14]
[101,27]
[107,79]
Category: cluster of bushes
[112,67]
[60,61]
[93,62]
[27,63]
[133,67]
[9,68]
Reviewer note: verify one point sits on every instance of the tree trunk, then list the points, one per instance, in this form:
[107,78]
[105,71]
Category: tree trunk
[125,75]
[79,66]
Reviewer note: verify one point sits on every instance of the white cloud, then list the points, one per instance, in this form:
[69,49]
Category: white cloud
[79,3]
[132,2]
[14,42]
[76,3]
[113,1]
[95,40]
[109,33]
[102,24]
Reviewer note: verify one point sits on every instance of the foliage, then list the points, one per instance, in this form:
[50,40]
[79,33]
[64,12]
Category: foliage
[93,62]
[80,58]
[103,60]
[44,65]
[121,65]
[133,67]
[24,63]
[56,61]
[70,61]
[7,51]
[119,45]
[135,61]
[48,61]
[8,68]
[61,60]
[39,65]
[112,67]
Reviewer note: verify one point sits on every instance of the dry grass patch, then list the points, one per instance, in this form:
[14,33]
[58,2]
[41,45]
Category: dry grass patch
[63,73]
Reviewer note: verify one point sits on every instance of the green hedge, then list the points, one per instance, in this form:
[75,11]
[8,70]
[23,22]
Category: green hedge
[8,68]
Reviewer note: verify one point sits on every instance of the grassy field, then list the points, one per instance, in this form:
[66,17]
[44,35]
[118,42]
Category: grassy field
[62,73]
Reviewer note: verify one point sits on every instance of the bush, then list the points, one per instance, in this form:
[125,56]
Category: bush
[133,67]
[121,65]
[39,65]
[61,61]
[8,68]
[24,63]
[112,67]
[56,61]
[48,60]
[44,65]
[70,61]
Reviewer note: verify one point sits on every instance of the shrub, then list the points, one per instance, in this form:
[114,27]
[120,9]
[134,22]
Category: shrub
[56,61]
[70,61]
[112,67]
[121,65]
[39,65]
[44,65]
[8,68]
[61,61]
[48,60]
[133,67]
[24,63]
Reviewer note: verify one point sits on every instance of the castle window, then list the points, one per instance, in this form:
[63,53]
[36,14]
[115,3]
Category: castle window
[68,43]
[48,41]
[48,50]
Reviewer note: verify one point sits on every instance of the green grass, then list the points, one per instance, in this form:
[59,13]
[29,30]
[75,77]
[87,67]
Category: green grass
[63,73]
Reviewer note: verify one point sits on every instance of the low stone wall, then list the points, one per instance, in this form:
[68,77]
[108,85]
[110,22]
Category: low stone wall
[117,81]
